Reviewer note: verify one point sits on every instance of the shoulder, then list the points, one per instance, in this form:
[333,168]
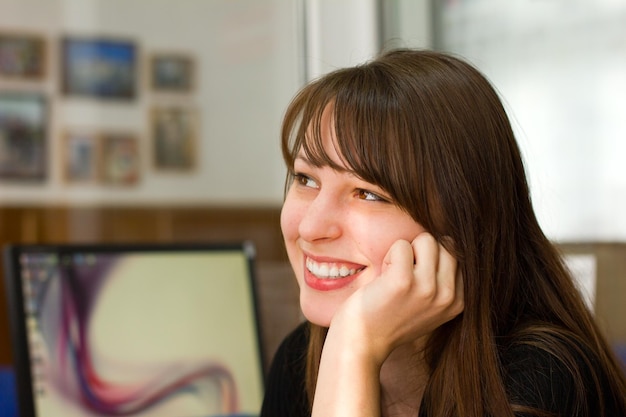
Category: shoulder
[285,393]
[535,377]
[292,350]
[291,353]
[556,373]
[298,338]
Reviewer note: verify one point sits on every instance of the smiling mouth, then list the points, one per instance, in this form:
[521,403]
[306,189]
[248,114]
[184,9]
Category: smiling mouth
[330,270]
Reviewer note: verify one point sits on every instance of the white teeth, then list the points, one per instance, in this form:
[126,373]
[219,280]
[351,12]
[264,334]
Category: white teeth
[329,270]
[334,271]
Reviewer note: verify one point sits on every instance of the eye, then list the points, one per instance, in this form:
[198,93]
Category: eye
[369,196]
[304,180]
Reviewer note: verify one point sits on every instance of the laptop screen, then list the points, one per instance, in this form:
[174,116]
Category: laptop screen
[159,330]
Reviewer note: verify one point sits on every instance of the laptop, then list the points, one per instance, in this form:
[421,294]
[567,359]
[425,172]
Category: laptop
[136,330]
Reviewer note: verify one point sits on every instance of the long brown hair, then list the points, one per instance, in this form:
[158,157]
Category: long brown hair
[432,132]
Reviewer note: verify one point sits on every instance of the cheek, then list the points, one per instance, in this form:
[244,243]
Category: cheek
[380,238]
[284,219]
[373,240]
[289,220]
[377,252]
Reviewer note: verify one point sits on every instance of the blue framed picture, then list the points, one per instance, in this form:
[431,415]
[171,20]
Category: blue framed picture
[99,68]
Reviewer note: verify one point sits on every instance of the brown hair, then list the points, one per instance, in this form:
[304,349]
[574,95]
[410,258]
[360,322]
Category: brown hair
[432,132]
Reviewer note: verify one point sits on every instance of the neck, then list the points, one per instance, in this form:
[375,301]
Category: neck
[403,379]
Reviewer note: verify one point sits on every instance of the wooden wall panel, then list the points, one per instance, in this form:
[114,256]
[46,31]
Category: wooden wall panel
[262,226]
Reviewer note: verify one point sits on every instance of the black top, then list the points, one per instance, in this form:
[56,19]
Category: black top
[285,392]
[533,378]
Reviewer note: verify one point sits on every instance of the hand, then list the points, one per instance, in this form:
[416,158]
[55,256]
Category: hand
[418,290]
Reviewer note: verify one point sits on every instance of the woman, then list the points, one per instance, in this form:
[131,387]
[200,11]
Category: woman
[428,286]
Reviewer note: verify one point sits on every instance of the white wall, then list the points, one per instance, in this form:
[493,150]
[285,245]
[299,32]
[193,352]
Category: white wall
[250,63]
[561,68]
[339,33]
[407,23]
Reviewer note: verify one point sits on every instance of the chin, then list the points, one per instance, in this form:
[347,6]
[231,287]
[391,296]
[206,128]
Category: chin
[317,314]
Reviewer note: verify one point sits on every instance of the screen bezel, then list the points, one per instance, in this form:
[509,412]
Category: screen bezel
[17,313]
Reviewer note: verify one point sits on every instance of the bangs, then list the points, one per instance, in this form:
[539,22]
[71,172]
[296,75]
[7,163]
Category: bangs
[364,119]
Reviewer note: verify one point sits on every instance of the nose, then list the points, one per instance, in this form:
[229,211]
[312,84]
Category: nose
[322,219]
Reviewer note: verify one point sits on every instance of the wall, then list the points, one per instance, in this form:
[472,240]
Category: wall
[249,60]
[407,24]
[561,69]
[339,34]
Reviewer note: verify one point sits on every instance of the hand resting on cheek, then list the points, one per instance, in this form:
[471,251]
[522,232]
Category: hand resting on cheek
[419,289]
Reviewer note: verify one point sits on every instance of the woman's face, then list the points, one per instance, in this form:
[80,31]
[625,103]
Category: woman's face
[337,230]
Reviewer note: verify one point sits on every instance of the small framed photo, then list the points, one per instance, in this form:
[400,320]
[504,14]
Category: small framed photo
[174,138]
[22,56]
[81,156]
[120,159]
[99,68]
[172,73]
[23,141]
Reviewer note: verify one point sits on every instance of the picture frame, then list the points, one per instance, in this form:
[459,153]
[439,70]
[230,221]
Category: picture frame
[174,138]
[119,161]
[23,136]
[100,68]
[81,156]
[172,72]
[22,56]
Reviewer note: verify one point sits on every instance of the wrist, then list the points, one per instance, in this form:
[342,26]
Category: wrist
[352,345]
[348,381]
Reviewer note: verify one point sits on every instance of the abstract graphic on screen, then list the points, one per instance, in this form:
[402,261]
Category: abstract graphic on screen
[135,334]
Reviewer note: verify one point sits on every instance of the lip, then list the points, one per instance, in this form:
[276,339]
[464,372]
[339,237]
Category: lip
[328,284]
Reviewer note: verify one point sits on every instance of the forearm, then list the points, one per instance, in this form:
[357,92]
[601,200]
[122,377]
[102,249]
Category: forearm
[348,382]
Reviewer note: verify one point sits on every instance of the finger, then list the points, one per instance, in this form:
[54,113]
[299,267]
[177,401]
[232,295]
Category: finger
[446,268]
[449,278]
[426,252]
[397,270]
[460,293]
[399,256]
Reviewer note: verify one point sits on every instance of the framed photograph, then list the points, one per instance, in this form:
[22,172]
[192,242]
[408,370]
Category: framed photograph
[81,156]
[22,56]
[99,68]
[23,125]
[120,159]
[174,137]
[172,73]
